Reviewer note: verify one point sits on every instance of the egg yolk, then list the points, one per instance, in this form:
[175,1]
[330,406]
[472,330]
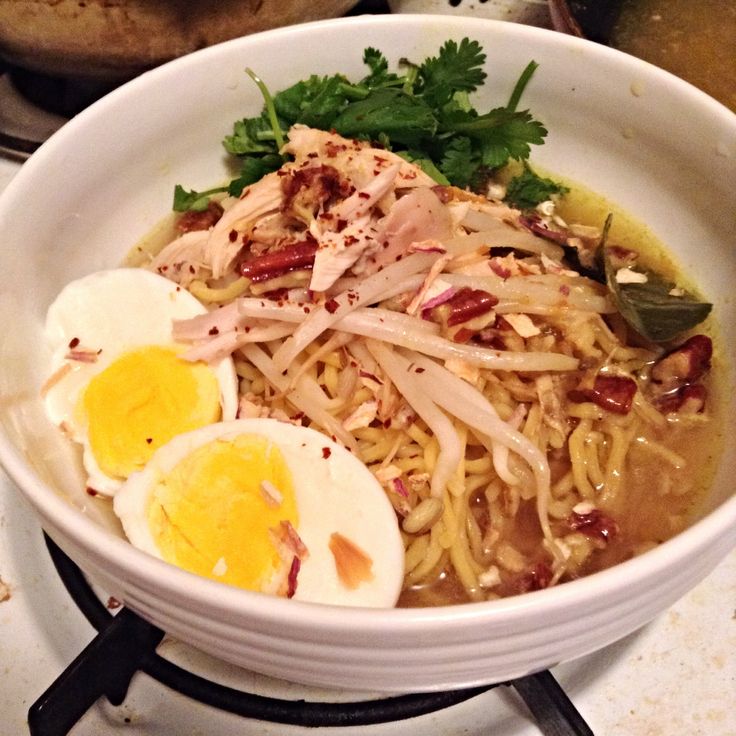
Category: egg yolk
[141,401]
[219,512]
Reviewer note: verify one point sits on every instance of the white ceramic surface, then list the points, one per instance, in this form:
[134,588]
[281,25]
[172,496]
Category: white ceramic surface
[658,147]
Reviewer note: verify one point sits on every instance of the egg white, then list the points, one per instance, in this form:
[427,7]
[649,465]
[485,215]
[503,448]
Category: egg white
[110,313]
[335,492]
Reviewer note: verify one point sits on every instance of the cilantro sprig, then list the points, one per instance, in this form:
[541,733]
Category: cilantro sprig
[423,112]
[528,189]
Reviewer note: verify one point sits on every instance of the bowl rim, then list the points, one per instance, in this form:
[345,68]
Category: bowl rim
[121,556]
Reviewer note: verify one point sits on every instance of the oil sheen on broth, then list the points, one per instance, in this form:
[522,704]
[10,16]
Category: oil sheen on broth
[657,500]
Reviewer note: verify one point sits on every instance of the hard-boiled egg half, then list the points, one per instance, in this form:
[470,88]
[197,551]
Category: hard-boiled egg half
[271,507]
[118,384]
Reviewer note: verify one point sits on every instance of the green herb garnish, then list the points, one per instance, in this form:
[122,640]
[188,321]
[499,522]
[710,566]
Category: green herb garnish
[192,200]
[423,113]
[528,189]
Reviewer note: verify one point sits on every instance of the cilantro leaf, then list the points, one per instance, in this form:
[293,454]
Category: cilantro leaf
[192,200]
[379,75]
[403,118]
[253,135]
[528,189]
[315,101]
[253,170]
[460,161]
[502,134]
[455,68]
[420,159]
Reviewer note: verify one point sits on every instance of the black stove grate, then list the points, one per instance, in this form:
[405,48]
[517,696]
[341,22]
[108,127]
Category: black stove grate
[131,643]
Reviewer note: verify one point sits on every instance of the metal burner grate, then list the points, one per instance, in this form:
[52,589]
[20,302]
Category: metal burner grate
[131,643]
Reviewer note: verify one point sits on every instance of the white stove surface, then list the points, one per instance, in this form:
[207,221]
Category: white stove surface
[675,677]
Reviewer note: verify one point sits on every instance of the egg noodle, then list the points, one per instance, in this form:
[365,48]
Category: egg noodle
[464,368]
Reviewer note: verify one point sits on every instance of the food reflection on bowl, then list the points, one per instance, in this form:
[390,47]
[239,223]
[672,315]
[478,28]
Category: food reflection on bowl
[600,134]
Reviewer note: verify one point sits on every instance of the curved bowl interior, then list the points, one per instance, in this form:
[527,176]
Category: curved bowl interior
[663,151]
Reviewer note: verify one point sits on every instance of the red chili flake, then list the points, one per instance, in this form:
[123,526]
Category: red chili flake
[419,369]
[232,236]
[594,524]
[326,452]
[296,564]
[565,290]
[113,603]
[73,342]
[91,491]
[149,440]
[214,331]
[332,305]
[364,195]
[613,393]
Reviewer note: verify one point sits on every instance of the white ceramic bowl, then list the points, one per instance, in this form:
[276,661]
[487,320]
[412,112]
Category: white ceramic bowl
[653,144]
